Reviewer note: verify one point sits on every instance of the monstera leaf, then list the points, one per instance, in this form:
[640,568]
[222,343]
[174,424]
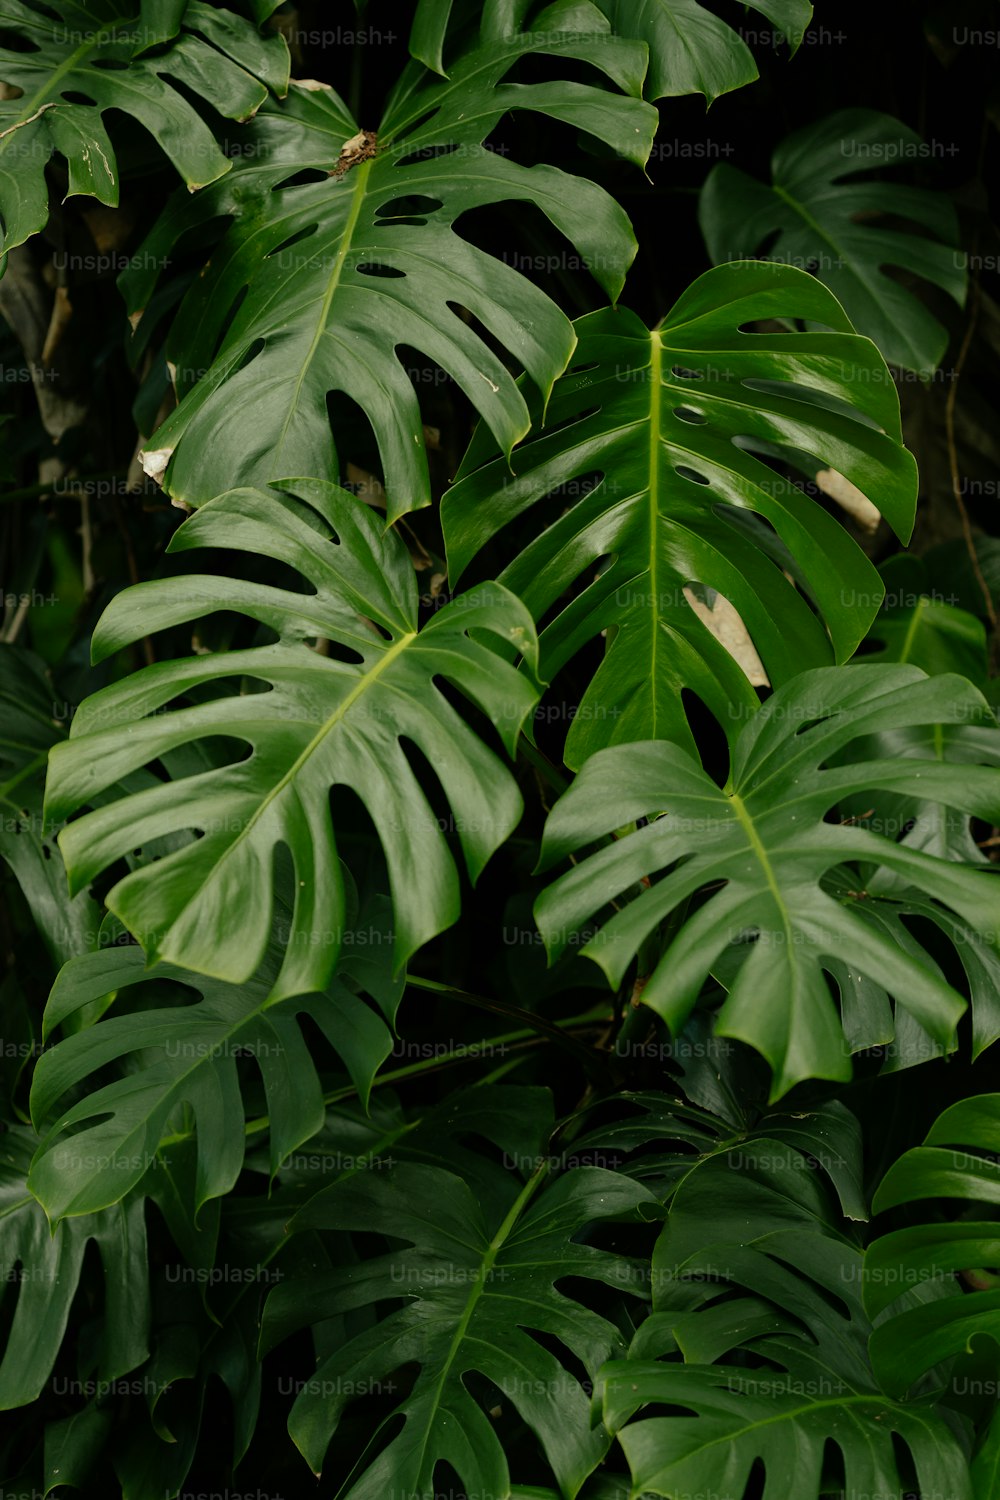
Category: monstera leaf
[322,720]
[692,51]
[915,624]
[758,1341]
[95,1151]
[653,443]
[812,217]
[957,1161]
[67,925]
[760,852]
[41,1268]
[102,53]
[475,1286]
[317,284]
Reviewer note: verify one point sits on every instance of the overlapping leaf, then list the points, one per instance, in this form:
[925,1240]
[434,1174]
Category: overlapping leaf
[654,445]
[757,1310]
[41,1270]
[475,1285]
[113,61]
[316,285]
[758,855]
[819,213]
[916,624]
[95,1151]
[692,51]
[322,721]
[957,1161]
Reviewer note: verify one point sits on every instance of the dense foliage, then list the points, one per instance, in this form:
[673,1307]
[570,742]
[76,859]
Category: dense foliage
[499,753]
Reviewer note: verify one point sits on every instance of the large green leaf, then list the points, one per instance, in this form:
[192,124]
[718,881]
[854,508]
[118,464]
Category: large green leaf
[324,720]
[914,1339]
[692,51]
[475,1284]
[41,1267]
[812,217]
[72,49]
[30,727]
[759,852]
[758,1341]
[95,1151]
[316,285]
[654,447]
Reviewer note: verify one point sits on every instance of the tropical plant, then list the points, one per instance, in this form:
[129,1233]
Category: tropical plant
[498,843]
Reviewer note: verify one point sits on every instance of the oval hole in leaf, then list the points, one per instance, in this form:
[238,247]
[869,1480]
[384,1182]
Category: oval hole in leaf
[426,153]
[407,209]
[290,242]
[380,268]
[305,178]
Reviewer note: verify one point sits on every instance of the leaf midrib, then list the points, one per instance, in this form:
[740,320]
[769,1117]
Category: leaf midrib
[478,1287]
[362,686]
[838,1403]
[360,174]
[757,846]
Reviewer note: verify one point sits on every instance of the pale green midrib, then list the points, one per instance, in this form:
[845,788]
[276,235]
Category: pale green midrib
[360,174]
[655,379]
[911,630]
[8,786]
[175,1090]
[756,844]
[840,1402]
[492,1251]
[362,686]
[15,1208]
[827,239]
[37,101]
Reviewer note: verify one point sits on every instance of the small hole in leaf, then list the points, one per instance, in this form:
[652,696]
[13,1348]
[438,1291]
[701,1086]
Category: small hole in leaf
[379,268]
[280,252]
[305,178]
[692,474]
[426,153]
[685,414]
[407,206]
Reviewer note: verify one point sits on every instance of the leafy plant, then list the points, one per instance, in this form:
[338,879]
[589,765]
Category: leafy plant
[941,1254]
[764,847]
[665,435]
[322,721]
[123,62]
[498,934]
[330,277]
[810,216]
